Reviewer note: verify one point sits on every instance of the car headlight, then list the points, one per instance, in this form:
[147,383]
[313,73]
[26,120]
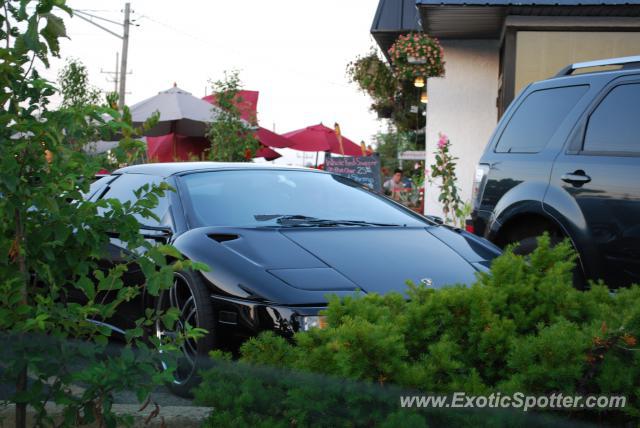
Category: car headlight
[308,322]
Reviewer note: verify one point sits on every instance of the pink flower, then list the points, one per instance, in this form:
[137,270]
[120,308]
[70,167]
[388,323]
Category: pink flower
[443,141]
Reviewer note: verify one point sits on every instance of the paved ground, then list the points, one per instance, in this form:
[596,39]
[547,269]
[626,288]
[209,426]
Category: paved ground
[161,395]
[169,416]
[176,411]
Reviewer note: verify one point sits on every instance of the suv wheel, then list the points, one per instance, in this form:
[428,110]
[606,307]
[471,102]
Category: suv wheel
[528,244]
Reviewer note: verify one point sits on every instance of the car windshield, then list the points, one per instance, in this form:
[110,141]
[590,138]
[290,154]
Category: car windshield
[269,198]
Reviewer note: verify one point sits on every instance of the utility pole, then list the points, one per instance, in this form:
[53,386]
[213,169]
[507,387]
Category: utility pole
[115,81]
[116,73]
[121,76]
[125,51]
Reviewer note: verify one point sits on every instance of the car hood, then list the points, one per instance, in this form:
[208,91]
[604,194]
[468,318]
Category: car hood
[384,259]
[303,265]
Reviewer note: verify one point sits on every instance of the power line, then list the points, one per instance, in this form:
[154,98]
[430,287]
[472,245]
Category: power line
[80,12]
[89,18]
[208,43]
[121,76]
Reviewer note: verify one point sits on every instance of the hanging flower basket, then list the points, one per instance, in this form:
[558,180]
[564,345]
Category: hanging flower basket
[384,110]
[417,55]
[373,76]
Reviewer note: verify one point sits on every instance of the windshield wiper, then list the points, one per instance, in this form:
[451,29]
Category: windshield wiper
[302,221]
[361,223]
[278,217]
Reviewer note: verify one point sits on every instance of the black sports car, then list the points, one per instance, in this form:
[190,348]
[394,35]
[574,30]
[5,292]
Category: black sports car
[278,240]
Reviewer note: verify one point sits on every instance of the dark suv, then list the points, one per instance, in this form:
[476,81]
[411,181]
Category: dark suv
[565,158]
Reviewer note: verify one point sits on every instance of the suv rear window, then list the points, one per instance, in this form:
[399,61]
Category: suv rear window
[538,118]
[614,126]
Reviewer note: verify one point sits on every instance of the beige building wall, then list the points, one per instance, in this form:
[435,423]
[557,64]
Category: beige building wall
[462,104]
[541,54]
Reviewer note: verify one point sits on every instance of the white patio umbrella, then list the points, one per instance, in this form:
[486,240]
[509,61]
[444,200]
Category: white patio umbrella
[180,113]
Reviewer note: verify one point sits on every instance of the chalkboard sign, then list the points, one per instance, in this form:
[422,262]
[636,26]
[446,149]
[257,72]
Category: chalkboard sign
[363,169]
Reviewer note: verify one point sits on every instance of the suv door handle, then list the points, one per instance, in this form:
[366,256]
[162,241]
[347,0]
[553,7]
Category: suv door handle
[577,178]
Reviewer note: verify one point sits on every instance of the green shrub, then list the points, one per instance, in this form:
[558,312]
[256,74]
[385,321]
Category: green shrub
[520,328]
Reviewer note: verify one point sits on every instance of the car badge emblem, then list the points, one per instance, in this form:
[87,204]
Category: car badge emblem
[427,282]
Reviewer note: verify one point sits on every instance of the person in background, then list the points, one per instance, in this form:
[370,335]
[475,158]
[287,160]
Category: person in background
[396,184]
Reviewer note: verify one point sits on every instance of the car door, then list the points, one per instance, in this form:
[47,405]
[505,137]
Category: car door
[123,189]
[600,172]
[518,160]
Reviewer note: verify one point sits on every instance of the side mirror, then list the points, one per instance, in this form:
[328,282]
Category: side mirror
[435,219]
[157,233]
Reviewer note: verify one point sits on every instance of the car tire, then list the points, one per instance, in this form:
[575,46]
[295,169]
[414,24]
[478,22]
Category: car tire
[526,246]
[190,295]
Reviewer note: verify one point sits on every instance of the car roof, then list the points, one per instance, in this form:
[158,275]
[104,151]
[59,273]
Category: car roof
[166,169]
[597,69]
[596,78]
[596,73]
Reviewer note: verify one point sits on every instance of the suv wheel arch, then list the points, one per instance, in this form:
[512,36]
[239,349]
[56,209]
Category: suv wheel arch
[526,225]
[522,228]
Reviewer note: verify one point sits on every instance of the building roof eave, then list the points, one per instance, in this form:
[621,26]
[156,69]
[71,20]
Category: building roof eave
[392,18]
[457,19]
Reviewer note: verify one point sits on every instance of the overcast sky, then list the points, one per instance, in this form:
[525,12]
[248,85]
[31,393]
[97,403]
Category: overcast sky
[293,51]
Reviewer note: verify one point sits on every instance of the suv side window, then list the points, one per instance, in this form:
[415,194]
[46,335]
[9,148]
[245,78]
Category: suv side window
[123,189]
[538,118]
[614,126]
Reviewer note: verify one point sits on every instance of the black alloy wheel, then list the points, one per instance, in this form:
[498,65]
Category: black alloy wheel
[189,295]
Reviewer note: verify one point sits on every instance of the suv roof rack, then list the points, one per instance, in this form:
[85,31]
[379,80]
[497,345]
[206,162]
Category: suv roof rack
[624,61]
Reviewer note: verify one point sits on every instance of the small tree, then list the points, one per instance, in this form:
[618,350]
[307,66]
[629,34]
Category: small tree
[232,138]
[52,239]
[73,81]
[454,209]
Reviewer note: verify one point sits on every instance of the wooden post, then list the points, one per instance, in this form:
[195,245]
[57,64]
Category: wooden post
[339,135]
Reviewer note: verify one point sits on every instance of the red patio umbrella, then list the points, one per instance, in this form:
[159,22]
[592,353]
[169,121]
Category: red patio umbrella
[267,153]
[319,138]
[247,104]
[163,149]
[271,139]
[245,101]
[171,147]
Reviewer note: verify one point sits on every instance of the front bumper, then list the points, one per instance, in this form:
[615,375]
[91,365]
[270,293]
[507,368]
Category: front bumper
[246,318]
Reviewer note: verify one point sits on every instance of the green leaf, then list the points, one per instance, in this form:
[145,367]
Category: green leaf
[30,37]
[54,29]
[169,250]
[87,286]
